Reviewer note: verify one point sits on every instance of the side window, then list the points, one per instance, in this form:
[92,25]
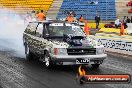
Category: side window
[39,30]
[31,28]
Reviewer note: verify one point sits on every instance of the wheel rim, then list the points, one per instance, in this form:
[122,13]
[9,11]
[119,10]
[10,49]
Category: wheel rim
[47,61]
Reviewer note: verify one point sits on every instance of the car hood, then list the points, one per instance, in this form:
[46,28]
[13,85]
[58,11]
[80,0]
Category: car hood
[76,43]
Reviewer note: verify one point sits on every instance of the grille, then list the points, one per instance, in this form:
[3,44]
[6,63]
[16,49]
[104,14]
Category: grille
[81,51]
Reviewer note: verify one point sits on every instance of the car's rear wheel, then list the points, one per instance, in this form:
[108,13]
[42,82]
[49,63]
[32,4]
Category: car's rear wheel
[28,53]
[48,62]
[95,66]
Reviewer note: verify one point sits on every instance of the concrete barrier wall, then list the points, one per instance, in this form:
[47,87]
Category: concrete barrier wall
[118,46]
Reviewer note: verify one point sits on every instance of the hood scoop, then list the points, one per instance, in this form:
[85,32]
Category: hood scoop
[73,40]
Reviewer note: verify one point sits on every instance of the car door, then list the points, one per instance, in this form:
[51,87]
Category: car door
[29,35]
[39,40]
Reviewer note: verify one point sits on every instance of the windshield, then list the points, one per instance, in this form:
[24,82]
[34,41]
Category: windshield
[60,30]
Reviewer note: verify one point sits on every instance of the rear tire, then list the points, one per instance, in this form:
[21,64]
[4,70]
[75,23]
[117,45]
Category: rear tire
[95,66]
[28,53]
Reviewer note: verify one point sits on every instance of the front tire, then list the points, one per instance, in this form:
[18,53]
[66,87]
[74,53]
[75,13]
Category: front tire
[48,62]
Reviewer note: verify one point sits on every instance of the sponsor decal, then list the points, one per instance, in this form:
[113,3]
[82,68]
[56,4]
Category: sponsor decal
[116,44]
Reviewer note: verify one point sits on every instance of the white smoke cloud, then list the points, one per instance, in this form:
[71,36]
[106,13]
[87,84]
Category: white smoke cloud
[11,31]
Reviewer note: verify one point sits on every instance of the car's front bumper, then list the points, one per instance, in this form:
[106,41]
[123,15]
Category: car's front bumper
[71,59]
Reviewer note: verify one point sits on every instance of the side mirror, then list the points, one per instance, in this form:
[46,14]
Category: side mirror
[46,36]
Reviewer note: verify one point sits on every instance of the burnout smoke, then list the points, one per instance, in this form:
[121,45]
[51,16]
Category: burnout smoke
[11,31]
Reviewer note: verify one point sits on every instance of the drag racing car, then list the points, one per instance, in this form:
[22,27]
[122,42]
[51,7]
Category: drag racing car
[61,43]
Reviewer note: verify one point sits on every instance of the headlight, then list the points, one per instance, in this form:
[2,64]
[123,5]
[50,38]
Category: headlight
[100,51]
[60,51]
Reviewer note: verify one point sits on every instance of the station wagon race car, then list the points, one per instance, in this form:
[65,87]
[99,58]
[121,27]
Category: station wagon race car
[61,43]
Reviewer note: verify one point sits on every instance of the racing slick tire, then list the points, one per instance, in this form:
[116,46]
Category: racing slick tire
[29,55]
[48,62]
[95,66]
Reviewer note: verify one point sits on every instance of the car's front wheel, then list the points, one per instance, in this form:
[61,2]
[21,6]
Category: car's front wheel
[95,66]
[48,62]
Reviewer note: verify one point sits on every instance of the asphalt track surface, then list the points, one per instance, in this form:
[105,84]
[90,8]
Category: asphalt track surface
[15,72]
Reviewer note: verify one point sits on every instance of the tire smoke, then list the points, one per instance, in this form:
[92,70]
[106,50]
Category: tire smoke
[11,32]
